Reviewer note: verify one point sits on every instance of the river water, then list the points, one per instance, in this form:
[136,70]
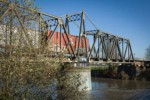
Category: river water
[111,89]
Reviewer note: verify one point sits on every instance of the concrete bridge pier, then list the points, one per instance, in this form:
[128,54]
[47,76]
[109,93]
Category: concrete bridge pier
[84,73]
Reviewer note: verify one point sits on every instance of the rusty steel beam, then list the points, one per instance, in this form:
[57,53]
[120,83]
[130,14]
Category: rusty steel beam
[30,9]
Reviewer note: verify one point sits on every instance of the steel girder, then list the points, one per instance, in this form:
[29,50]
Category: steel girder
[109,47]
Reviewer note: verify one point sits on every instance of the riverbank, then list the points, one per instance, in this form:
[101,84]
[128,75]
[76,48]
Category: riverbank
[126,72]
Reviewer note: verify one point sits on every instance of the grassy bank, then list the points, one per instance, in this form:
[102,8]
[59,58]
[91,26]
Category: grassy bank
[144,75]
[123,72]
[104,71]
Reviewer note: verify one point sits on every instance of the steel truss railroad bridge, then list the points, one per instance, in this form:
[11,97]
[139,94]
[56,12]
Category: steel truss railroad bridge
[104,47]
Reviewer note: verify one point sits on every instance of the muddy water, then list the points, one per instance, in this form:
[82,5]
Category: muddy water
[110,89]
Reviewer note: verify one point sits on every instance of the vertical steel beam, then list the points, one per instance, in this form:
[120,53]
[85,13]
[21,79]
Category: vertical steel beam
[40,33]
[107,44]
[98,50]
[67,24]
[99,45]
[123,49]
[116,51]
[10,32]
[6,31]
[60,37]
[128,52]
[102,48]
[84,30]
[80,33]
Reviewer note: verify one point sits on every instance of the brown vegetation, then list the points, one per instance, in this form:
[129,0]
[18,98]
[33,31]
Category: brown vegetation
[30,71]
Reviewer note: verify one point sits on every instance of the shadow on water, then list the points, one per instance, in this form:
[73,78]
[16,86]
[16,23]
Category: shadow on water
[111,89]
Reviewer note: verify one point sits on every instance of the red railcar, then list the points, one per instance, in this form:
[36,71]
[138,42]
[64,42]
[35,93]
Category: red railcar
[59,38]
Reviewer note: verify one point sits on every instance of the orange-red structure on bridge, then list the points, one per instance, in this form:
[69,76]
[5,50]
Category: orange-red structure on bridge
[60,40]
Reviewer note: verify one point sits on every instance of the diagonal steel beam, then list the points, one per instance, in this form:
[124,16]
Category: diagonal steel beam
[51,35]
[95,51]
[7,10]
[131,52]
[125,51]
[68,39]
[23,27]
[104,47]
[112,48]
[119,50]
[99,45]
[66,44]
[30,9]
[95,39]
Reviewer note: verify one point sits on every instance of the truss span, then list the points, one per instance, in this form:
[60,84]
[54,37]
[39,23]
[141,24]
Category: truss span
[16,33]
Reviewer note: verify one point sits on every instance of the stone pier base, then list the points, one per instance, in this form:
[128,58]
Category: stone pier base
[84,78]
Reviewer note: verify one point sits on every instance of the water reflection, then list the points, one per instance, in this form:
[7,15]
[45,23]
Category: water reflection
[110,89]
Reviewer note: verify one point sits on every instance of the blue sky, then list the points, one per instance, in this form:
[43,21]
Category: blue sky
[126,18]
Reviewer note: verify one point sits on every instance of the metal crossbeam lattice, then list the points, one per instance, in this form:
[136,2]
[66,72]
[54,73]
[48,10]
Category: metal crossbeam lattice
[75,17]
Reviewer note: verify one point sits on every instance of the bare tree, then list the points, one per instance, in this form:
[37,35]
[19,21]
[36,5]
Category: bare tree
[24,72]
[147,55]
